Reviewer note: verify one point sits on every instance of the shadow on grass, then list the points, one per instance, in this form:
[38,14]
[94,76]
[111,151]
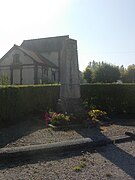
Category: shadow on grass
[15,132]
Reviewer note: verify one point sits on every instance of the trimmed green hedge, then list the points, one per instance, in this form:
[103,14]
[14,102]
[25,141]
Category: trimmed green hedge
[17,102]
[116,98]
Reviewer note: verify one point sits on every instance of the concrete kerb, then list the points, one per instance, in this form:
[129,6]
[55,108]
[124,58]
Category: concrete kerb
[59,147]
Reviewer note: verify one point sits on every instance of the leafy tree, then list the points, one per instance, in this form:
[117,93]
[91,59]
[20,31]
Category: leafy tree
[88,74]
[101,72]
[130,74]
[106,73]
[82,79]
[93,65]
[122,72]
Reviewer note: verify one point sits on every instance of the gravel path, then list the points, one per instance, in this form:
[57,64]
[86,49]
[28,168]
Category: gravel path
[32,132]
[109,162]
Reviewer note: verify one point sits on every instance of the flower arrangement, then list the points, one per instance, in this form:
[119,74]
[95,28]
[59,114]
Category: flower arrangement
[58,119]
[97,114]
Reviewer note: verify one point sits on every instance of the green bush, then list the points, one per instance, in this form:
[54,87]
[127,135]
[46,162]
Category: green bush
[17,102]
[116,98]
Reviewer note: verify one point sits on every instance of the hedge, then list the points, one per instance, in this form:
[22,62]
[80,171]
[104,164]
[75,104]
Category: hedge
[116,98]
[17,102]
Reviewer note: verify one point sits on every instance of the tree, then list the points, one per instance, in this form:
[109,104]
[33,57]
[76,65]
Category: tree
[130,74]
[82,79]
[101,72]
[106,73]
[93,65]
[122,71]
[88,74]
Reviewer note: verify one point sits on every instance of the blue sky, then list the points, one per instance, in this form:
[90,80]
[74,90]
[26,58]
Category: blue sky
[104,29]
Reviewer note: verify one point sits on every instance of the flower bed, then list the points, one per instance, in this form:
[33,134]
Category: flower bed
[63,121]
[97,114]
[59,119]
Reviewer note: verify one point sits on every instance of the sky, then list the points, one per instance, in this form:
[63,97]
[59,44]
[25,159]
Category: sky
[104,29]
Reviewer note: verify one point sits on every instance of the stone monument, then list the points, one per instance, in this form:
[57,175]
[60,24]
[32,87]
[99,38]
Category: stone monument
[70,98]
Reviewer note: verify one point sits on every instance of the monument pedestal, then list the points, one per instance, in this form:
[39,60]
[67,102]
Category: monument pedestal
[72,106]
[70,101]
